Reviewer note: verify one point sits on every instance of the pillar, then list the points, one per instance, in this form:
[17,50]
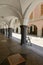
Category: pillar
[5,31]
[39,33]
[18,29]
[9,32]
[23,34]
[15,30]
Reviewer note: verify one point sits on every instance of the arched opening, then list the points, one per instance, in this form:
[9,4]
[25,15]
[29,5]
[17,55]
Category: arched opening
[15,25]
[42,32]
[33,30]
[3,27]
[16,30]
[8,14]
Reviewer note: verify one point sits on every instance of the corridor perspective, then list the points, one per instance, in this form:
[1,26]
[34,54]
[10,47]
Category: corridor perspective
[21,32]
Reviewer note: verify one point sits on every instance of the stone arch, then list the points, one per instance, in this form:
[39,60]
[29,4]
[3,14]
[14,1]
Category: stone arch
[3,27]
[15,23]
[30,9]
[16,30]
[42,31]
[9,10]
[3,24]
[33,29]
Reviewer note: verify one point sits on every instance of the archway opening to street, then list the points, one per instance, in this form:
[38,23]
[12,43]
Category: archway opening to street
[33,30]
[42,32]
[16,30]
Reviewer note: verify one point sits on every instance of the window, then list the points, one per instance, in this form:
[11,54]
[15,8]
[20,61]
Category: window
[31,16]
[41,9]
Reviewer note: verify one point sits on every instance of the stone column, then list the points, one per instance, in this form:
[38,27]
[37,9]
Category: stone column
[15,30]
[39,33]
[23,34]
[6,32]
[3,30]
[9,32]
[18,29]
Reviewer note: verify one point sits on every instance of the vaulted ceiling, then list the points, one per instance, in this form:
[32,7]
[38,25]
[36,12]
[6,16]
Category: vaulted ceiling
[17,8]
[13,6]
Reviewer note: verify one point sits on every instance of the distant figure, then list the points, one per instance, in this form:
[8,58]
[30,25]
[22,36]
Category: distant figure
[28,41]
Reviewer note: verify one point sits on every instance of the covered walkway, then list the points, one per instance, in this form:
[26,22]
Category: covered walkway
[9,47]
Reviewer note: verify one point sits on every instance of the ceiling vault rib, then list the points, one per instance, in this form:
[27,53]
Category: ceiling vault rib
[13,8]
[27,8]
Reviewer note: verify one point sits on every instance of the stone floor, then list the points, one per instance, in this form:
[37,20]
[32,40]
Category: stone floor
[9,47]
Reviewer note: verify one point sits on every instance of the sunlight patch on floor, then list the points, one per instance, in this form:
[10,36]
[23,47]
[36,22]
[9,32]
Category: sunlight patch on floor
[35,40]
[16,35]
